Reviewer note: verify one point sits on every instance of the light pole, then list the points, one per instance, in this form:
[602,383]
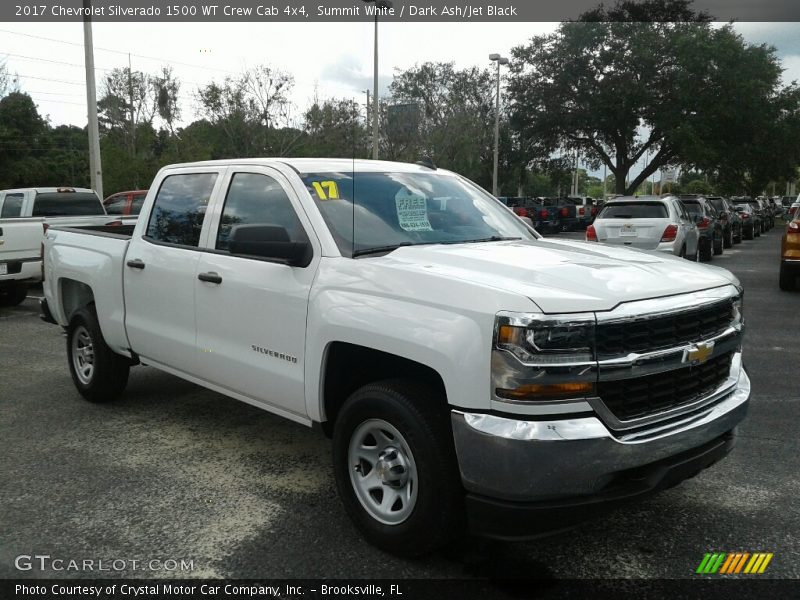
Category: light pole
[379,5]
[500,61]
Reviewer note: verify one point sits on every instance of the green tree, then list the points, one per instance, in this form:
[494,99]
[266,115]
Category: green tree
[335,128]
[633,80]
[449,116]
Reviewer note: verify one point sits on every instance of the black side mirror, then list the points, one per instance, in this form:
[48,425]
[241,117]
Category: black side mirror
[271,242]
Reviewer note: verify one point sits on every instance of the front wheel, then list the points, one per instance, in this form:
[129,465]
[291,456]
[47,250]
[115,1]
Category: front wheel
[728,241]
[99,374]
[396,469]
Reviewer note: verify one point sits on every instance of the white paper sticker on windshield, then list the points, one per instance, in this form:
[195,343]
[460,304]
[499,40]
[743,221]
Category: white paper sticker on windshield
[412,211]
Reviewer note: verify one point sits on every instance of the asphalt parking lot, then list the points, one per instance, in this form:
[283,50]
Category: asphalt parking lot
[172,471]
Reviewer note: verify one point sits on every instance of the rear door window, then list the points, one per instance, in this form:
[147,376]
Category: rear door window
[180,208]
[67,204]
[12,206]
[634,210]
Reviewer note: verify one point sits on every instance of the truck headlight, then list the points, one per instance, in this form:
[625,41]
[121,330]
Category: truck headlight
[543,357]
[544,339]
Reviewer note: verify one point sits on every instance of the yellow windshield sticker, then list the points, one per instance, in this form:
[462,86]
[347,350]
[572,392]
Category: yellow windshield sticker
[326,190]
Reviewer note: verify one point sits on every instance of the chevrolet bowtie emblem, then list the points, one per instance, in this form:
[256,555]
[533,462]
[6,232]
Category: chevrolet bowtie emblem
[698,353]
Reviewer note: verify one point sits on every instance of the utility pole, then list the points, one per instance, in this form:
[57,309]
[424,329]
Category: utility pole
[133,116]
[605,179]
[95,163]
[375,103]
[500,60]
[367,92]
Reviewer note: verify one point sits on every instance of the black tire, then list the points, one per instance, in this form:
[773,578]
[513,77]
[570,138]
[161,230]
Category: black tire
[757,231]
[750,233]
[14,294]
[108,375]
[718,245]
[422,419]
[729,239]
[737,239]
[786,279]
[706,251]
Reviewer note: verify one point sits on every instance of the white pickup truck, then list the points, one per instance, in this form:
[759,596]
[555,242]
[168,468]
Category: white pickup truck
[24,213]
[470,372]
[20,257]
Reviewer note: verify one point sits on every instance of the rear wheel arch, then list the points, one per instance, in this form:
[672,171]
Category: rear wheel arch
[74,295]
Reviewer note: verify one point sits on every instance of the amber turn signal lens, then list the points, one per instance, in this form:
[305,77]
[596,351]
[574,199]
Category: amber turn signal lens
[546,391]
[509,334]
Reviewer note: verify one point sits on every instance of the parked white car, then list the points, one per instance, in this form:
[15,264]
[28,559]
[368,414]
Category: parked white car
[469,371]
[647,223]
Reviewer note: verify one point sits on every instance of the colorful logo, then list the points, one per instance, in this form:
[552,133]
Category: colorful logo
[727,563]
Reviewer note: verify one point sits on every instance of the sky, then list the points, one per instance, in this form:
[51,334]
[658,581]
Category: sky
[326,61]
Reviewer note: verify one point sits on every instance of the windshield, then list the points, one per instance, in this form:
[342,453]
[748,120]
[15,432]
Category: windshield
[633,210]
[407,209]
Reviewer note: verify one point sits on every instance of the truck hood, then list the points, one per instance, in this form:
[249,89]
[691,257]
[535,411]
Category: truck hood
[563,276]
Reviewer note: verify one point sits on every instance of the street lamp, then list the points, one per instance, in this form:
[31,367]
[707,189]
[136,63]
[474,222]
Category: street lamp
[500,60]
[379,4]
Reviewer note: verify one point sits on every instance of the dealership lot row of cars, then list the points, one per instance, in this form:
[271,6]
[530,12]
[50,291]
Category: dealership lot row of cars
[695,227]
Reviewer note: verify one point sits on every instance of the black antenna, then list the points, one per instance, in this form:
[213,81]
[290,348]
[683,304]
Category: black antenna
[427,162]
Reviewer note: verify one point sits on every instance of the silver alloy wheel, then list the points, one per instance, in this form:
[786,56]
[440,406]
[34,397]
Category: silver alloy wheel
[382,471]
[83,354]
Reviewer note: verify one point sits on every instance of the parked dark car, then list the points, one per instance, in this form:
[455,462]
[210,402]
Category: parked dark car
[749,220]
[731,222]
[709,225]
[761,218]
[545,219]
[768,210]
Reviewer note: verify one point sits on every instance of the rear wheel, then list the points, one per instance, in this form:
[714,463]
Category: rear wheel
[396,468]
[706,252]
[749,234]
[737,239]
[14,294]
[786,279]
[718,245]
[99,373]
[728,241]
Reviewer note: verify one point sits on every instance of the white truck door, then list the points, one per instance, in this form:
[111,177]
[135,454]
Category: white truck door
[251,311]
[161,268]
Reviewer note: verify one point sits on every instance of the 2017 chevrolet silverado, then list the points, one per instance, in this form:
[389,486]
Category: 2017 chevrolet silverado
[470,372]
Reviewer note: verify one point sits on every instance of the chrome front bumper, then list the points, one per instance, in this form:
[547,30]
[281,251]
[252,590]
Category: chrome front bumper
[538,460]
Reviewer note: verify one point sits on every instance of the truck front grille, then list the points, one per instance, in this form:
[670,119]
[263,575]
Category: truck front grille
[640,397]
[663,331]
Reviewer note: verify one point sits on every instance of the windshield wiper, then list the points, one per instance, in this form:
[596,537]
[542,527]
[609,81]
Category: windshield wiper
[494,238]
[379,249]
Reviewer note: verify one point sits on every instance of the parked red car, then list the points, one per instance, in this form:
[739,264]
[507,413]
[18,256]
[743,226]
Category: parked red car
[125,203]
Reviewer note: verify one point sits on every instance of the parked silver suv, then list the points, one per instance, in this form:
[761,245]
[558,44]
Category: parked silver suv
[647,223]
